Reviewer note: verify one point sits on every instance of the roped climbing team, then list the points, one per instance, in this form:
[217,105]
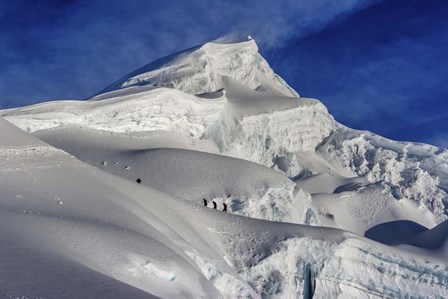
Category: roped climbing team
[215,205]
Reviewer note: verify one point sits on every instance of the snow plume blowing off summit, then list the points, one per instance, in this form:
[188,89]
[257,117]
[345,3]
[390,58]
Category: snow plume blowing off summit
[125,193]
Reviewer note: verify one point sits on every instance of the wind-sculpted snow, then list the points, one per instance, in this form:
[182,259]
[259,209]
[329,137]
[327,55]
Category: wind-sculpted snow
[269,130]
[154,110]
[162,245]
[275,131]
[330,264]
[243,123]
[269,139]
[198,70]
[414,171]
[359,208]
[247,188]
[123,195]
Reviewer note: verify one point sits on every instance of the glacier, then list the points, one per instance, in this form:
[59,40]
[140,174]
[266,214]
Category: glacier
[311,202]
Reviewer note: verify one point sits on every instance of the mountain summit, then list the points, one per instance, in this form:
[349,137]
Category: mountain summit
[197,70]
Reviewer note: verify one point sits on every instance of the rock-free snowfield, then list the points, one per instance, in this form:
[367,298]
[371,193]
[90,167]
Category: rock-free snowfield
[205,175]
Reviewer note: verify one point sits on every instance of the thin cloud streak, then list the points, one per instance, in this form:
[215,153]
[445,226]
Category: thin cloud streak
[72,49]
[381,70]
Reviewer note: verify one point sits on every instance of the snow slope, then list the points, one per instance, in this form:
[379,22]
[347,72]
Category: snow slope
[248,189]
[110,229]
[215,123]
[55,204]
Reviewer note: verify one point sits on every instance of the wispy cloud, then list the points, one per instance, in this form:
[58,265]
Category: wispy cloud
[440,140]
[70,49]
[382,69]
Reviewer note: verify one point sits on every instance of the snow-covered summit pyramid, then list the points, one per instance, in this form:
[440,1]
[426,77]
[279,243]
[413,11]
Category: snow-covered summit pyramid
[197,70]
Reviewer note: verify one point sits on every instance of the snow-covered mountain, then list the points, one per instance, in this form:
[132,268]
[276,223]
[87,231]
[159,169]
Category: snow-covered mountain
[199,69]
[315,209]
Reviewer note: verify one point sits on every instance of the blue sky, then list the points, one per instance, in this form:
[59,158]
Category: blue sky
[377,65]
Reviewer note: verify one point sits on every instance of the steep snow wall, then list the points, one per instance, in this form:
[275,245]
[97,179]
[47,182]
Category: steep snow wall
[276,137]
[270,130]
[160,109]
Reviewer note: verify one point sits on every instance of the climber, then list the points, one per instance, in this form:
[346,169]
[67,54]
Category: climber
[139,181]
[214,205]
[225,207]
[205,202]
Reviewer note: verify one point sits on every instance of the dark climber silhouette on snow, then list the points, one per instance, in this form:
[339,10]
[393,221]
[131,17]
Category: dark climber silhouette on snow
[139,181]
[215,205]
